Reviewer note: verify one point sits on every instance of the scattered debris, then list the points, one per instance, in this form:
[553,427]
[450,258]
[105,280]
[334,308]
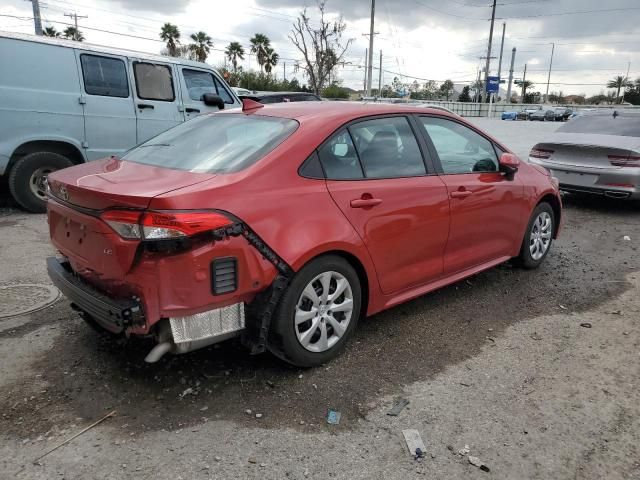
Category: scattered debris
[450,448]
[464,451]
[263,465]
[252,460]
[491,339]
[218,459]
[414,443]
[248,411]
[188,391]
[585,325]
[476,462]
[333,417]
[258,415]
[204,409]
[536,336]
[397,407]
[465,384]
[616,312]
[110,414]
[626,238]
[563,307]
[270,384]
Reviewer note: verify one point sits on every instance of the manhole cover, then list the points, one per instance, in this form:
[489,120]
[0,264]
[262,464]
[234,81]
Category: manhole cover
[21,298]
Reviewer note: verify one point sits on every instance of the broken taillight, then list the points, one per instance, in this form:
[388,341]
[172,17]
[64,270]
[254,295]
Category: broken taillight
[540,153]
[162,225]
[624,160]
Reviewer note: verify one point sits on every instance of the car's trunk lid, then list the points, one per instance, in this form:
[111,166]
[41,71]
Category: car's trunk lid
[587,150]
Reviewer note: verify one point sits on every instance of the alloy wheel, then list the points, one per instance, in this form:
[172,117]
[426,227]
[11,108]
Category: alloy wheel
[540,237]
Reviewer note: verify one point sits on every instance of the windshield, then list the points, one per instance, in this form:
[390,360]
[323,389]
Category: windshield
[214,143]
[626,125]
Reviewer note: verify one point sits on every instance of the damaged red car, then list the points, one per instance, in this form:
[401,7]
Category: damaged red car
[287,224]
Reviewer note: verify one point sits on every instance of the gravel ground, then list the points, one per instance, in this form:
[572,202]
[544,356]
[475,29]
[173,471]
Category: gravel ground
[499,362]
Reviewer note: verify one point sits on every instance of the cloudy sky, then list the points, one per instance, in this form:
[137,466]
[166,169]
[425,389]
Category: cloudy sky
[420,39]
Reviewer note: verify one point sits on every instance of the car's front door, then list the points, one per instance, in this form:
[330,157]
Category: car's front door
[376,174]
[486,205]
[195,82]
[158,103]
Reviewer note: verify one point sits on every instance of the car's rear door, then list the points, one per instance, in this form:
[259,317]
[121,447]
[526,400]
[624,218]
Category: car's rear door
[377,176]
[487,206]
[158,103]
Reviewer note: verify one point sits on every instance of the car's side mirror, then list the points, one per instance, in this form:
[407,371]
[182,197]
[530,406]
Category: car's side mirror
[509,164]
[213,100]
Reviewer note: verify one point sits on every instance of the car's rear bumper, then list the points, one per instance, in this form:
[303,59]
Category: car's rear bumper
[114,315]
[610,182]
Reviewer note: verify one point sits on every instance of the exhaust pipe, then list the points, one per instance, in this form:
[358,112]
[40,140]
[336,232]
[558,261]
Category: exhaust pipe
[158,352]
[616,194]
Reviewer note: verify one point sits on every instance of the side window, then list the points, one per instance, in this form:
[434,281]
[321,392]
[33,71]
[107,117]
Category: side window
[339,158]
[223,92]
[104,76]
[154,82]
[460,149]
[198,83]
[388,148]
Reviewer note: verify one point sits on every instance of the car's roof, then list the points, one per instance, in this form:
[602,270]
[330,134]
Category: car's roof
[275,94]
[305,111]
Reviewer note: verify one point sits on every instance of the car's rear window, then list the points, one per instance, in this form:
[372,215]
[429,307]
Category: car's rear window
[214,143]
[625,125]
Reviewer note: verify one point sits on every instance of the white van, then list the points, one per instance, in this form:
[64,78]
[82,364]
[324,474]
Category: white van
[64,102]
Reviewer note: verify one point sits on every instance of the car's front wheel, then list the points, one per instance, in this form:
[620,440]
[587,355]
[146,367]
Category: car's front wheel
[538,237]
[318,312]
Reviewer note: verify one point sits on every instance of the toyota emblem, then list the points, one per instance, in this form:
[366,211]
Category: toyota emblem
[62,191]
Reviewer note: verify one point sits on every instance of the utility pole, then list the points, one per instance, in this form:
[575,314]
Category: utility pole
[524,79]
[75,17]
[37,21]
[513,58]
[370,64]
[488,66]
[624,89]
[284,70]
[380,77]
[478,87]
[504,26]
[546,96]
[366,60]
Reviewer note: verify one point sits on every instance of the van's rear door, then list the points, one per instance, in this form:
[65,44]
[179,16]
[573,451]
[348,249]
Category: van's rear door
[107,99]
[157,99]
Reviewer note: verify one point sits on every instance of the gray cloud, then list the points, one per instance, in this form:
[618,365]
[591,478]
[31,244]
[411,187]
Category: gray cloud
[157,6]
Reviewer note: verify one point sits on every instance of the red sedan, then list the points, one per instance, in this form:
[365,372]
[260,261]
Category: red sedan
[286,224]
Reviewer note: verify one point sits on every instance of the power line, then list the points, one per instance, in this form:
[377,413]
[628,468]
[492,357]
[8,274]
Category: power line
[571,13]
[450,14]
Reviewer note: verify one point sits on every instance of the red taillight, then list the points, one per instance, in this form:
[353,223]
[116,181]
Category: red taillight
[624,160]
[540,153]
[163,225]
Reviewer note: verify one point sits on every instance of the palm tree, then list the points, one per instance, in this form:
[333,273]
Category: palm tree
[619,83]
[234,52]
[270,60]
[169,33]
[260,44]
[201,46]
[74,34]
[51,32]
[524,85]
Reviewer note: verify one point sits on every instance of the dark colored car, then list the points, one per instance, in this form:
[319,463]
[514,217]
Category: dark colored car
[281,97]
[524,114]
[562,114]
[284,224]
[543,115]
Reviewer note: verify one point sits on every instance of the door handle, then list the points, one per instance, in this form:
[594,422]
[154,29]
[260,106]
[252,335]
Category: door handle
[461,193]
[365,202]
[145,105]
[192,110]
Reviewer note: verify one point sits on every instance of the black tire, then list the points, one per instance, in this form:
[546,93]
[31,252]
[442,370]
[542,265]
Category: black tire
[525,259]
[22,171]
[283,341]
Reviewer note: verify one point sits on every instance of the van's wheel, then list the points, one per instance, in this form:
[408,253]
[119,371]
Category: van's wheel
[538,237]
[27,179]
[317,314]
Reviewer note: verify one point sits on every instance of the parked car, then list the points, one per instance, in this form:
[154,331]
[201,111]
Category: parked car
[280,97]
[562,114]
[525,113]
[309,215]
[543,115]
[242,91]
[65,103]
[596,152]
[509,115]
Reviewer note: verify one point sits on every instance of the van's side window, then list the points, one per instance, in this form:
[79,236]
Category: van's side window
[223,92]
[104,76]
[198,83]
[154,82]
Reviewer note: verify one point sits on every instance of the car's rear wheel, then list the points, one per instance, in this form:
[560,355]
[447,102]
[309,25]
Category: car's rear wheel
[28,175]
[538,237]
[318,312]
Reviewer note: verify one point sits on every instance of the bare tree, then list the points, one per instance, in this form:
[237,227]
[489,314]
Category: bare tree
[321,46]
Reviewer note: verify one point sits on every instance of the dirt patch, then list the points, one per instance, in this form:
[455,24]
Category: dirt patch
[85,375]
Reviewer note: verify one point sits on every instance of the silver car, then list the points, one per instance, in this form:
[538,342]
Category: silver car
[596,153]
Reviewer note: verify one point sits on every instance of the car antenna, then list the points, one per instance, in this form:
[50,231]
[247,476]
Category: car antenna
[250,105]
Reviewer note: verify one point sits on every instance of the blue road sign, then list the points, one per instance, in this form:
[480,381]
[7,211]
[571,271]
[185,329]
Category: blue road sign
[493,84]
